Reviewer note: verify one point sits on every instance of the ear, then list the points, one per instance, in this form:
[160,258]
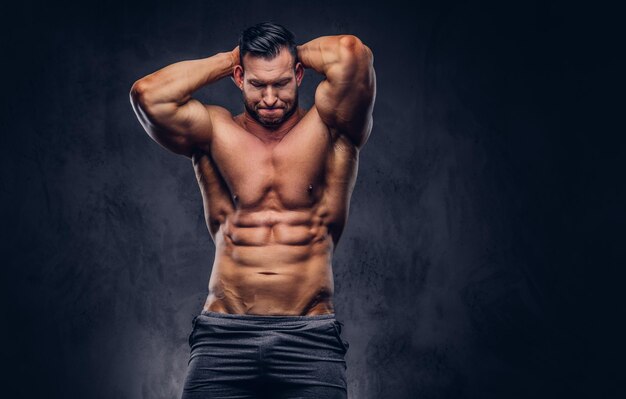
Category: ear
[299,73]
[238,76]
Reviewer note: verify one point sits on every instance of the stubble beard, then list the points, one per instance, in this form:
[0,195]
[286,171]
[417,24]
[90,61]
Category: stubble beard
[270,123]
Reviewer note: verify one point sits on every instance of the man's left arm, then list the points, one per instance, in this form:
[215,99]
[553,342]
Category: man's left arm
[345,99]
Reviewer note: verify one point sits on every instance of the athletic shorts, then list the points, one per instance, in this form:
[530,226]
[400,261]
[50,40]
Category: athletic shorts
[236,356]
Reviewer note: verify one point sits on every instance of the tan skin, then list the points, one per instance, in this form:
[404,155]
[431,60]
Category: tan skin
[276,186]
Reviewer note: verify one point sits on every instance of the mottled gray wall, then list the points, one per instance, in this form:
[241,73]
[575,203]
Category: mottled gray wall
[478,256]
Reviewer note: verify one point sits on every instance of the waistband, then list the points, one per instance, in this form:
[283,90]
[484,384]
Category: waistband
[267,318]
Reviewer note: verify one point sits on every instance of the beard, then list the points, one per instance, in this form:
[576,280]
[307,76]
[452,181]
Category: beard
[273,121]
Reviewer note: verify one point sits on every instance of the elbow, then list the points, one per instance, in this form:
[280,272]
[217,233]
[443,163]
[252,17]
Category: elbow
[350,44]
[138,92]
[144,102]
[354,49]
[142,93]
[349,41]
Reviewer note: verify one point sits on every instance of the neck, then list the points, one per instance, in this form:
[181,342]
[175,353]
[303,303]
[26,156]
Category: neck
[272,133]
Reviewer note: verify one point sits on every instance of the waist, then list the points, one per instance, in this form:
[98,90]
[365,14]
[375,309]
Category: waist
[269,288]
[264,319]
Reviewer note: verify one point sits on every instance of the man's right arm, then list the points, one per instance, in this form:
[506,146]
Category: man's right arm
[165,108]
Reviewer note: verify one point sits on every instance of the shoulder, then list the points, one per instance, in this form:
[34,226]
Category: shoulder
[218,111]
[221,116]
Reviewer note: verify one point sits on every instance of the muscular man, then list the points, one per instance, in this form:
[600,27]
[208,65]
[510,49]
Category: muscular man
[276,181]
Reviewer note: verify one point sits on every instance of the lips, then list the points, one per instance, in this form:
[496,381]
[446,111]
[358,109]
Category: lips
[269,110]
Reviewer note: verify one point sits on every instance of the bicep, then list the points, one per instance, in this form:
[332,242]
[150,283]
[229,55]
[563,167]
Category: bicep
[345,98]
[179,128]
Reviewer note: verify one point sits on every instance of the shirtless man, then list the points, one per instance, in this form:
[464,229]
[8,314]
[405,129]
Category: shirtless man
[276,183]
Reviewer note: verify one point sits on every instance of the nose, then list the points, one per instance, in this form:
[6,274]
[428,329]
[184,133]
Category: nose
[269,97]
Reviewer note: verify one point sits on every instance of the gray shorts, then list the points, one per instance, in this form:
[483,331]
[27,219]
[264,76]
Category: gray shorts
[250,356]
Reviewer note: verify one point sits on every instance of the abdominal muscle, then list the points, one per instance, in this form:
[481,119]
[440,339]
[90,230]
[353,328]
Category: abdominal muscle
[271,262]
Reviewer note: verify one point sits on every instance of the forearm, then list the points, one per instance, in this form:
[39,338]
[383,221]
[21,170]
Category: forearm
[177,82]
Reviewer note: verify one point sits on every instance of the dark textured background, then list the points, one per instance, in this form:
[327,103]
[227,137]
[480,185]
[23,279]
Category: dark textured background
[481,255]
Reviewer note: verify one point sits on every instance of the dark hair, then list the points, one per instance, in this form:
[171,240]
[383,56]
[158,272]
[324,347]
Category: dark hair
[265,40]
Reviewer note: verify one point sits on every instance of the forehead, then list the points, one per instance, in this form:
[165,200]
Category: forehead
[264,69]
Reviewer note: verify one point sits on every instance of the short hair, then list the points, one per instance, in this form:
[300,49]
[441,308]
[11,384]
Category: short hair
[266,40]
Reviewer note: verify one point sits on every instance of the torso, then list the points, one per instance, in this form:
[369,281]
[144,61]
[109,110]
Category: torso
[276,212]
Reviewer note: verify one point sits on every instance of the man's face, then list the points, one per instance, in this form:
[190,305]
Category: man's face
[270,87]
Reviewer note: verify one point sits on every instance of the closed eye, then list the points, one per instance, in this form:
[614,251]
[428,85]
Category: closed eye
[279,84]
